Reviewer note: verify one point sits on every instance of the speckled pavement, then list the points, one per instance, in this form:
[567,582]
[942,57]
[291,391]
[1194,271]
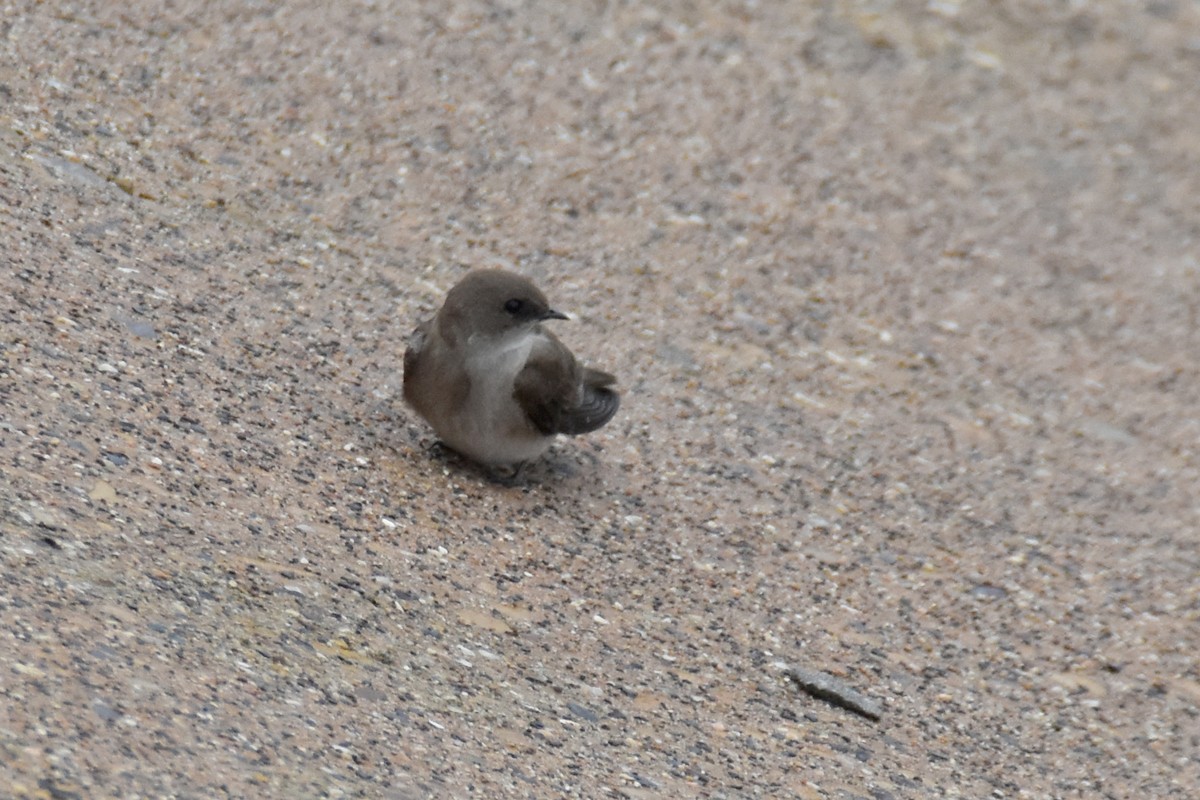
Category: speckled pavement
[903,298]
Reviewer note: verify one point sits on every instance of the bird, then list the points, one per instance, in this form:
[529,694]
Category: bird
[493,383]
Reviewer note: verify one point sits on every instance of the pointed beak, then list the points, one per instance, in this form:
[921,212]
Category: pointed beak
[550,313]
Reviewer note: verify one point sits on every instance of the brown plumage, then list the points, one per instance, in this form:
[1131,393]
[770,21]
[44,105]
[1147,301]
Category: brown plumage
[495,385]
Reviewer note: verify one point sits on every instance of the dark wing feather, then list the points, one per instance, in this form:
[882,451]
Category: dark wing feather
[596,407]
[559,396]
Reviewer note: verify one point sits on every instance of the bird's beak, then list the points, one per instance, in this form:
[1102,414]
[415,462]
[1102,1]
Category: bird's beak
[550,313]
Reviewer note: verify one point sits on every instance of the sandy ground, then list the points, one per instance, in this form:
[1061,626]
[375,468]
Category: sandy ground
[903,298]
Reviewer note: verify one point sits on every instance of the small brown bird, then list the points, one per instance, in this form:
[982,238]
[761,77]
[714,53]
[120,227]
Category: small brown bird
[494,384]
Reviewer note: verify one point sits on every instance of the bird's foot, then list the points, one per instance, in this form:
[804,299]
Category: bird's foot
[506,475]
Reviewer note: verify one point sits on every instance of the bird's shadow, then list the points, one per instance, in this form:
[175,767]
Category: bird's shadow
[552,467]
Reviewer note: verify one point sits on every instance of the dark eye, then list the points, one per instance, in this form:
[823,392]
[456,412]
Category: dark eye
[514,306]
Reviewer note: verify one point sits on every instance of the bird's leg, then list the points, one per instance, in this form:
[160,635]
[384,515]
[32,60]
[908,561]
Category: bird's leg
[440,450]
[507,475]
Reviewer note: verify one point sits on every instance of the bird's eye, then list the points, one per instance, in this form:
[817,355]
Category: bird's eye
[513,306]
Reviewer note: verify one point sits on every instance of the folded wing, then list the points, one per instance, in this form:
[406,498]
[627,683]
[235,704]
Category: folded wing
[559,396]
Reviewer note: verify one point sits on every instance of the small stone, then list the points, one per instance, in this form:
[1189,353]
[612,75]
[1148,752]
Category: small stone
[102,492]
[582,712]
[28,670]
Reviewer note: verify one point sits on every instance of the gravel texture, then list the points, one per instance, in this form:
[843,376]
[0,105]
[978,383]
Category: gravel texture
[903,298]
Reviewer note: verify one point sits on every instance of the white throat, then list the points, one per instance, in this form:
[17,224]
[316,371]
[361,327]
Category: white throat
[499,357]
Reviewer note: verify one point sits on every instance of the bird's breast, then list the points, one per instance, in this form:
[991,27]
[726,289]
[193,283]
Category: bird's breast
[490,425]
[492,366]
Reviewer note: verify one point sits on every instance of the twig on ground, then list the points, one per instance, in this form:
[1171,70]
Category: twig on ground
[824,686]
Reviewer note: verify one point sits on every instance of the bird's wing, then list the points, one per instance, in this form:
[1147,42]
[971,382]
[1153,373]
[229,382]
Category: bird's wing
[559,396]
[432,391]
[597,405]
[416,344]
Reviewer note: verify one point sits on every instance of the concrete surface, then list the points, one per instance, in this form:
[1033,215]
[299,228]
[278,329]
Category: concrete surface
[903,300]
